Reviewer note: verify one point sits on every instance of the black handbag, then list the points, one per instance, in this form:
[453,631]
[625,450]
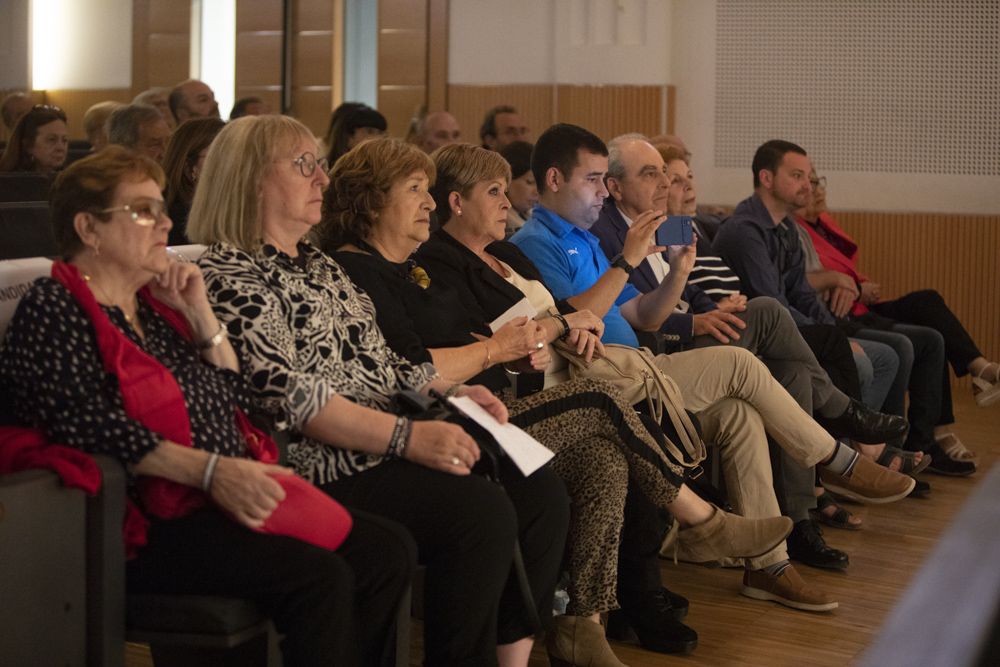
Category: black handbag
[416,406]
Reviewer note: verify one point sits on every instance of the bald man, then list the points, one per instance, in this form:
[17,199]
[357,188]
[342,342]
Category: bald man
[193,99]
[439,128]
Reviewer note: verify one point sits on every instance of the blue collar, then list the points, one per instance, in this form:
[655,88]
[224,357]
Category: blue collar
[555,223]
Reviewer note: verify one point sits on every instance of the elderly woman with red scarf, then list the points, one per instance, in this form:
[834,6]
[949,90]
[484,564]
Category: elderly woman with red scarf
[120,353]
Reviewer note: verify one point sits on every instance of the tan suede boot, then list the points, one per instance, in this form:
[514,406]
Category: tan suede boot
[575,641]
[732,535]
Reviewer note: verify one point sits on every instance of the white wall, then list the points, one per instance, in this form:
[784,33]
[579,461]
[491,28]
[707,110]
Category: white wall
[587,42]
[919,189]
[81,45]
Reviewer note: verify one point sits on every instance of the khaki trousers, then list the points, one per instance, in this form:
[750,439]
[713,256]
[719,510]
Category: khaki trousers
[738,403]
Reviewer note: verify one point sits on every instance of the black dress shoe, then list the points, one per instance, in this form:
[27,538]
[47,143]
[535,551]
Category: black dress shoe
[655,624]
[806,545]
[860,423]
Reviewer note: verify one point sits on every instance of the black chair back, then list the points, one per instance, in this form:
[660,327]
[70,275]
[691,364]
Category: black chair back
[25,230]
[22,186]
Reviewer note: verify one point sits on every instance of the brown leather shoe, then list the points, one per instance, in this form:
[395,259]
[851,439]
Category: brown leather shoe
[868,482]
[788,589]
[732,535]
[575,641]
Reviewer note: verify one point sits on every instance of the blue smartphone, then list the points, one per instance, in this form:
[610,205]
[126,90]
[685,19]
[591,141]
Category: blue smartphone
[675,230]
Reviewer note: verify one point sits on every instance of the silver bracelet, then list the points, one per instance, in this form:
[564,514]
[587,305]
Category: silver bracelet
[215,340]
[209,474]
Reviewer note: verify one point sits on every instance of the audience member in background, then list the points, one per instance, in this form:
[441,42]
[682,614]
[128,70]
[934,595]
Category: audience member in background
[192,99]
[39,142]
[502,125]
[183,162]
[13,107]
[350,124]
[95,124]
[141,128]
[761,243]
[703,210]
[638,181]
[249,106]
[437,129]
[831,268]
[157,97]
[522,191]
[322,370]
[119,353]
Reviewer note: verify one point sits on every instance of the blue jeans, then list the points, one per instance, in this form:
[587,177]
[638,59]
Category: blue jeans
[922,351]
[878,369]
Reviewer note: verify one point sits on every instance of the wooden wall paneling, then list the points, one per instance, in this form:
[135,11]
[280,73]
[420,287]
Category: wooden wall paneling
[76,102]
[437,55]
[608,111]
[470,103]
[258,59]
[956,255]
[164,35]
[312,62]
[257,15]
[402,61]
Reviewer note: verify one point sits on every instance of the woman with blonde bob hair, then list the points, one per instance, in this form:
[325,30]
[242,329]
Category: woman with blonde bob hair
[321,369]
[376,213]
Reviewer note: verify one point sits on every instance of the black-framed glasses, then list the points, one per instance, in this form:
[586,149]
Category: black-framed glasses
[307,163]
[818,182]
[143,213]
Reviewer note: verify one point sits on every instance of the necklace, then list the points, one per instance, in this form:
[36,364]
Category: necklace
[104,295]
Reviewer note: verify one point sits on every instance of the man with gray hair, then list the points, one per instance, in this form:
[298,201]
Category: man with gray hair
[13,107]
[139,127]
[157,97]
[95,123]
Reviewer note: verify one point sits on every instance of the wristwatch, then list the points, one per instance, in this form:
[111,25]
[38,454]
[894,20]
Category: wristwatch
[619,262]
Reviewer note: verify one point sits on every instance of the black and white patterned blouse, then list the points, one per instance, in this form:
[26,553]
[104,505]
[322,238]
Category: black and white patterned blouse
[52,372]
[306,333]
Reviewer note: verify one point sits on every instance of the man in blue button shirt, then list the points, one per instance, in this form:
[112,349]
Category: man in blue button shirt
[569,164]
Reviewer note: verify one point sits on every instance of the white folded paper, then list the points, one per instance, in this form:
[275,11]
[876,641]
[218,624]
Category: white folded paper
[527,453]
[522,308]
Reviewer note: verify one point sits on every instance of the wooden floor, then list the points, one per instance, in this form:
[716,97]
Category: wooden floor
[735,630]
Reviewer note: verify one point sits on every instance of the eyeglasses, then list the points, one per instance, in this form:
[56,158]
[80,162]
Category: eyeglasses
[818,182]
[146,213]
[307,163]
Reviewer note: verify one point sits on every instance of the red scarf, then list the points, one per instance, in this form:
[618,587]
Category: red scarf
[842,257]
[151,396]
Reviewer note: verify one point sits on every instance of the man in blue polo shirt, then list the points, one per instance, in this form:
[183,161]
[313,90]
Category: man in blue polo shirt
[569,164]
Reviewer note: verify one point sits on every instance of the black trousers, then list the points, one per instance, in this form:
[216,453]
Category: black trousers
[333,607]
[465,529]
[927,308]
[643,531]
[833,352]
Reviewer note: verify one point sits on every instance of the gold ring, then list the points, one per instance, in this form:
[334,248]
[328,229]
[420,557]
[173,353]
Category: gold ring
[539,345]
[455,461]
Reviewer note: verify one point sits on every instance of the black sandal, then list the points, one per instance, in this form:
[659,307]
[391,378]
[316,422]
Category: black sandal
[841,518]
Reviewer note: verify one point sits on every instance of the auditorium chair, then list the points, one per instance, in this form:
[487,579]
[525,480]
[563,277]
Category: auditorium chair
[19,186]
[25,230]
[63,577]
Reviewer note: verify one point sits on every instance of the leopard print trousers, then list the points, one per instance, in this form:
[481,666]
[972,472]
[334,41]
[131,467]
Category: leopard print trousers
[600,445]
